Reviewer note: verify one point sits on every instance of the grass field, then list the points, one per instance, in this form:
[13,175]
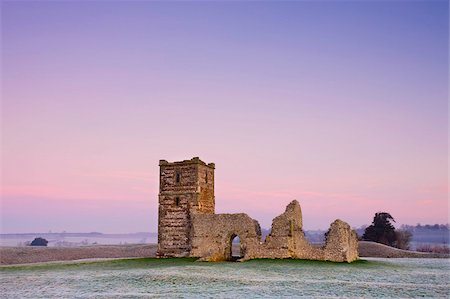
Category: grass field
[185,278]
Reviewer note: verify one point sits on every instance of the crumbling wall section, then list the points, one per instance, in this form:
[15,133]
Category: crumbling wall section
[287,239]
[212,235]
[341,243]
[284,236]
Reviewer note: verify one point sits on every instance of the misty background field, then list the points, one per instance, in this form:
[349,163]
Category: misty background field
[422,235]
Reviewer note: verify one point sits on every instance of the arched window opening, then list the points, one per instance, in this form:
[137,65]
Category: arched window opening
[236,248]
[178,177]
[177,201]
[206,177]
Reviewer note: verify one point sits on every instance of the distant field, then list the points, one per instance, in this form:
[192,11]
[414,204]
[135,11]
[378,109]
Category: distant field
[29,254]
[79,239]
[419,237]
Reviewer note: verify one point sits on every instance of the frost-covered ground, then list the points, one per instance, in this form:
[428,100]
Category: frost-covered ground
[184,278]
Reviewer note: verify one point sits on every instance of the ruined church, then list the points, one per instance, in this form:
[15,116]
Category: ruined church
[189,227]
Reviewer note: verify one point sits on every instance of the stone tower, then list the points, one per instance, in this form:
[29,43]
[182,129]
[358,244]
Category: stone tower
[185,188]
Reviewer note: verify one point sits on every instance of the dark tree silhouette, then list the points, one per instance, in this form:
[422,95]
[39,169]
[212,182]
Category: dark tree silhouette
[381,230]
[39,242]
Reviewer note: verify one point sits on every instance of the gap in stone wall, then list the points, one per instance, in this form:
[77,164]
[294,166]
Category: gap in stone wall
[236,250]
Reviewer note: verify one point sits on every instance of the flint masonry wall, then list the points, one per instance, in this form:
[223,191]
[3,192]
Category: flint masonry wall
[188,225]
[186,188]
[213,234]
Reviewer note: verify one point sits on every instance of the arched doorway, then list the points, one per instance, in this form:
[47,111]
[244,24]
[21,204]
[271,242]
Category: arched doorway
[236,248]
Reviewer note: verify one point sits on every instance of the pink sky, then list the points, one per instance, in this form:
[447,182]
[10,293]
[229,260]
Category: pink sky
[342,106]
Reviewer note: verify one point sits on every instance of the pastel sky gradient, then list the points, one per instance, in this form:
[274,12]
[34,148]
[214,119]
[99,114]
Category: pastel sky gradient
[342,105]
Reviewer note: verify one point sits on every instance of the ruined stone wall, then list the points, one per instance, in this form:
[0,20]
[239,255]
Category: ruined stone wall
[184,190]
[341,243]
[212,236]
[286,239]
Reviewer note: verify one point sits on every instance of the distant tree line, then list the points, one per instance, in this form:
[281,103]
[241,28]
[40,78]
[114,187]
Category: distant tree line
[418,226]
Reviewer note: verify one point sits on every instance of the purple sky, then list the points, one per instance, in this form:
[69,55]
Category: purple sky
[342,105]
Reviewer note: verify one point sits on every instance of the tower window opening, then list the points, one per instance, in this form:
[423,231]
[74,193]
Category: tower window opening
[177,177]
[177,201]
[206,177]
